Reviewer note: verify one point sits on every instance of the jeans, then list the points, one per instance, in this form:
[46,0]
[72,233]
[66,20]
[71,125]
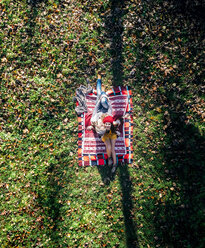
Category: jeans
[102,103]
[103,106]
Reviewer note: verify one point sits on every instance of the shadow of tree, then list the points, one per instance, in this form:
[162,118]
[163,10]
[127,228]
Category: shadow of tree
[193,8]
[29,46]
[127,205]
[56,170]
[51,205]
[181,225]
[177,219]
[34,3]
[114,32]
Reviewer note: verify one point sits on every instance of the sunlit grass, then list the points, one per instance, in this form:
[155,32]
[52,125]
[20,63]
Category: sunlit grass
[47,51]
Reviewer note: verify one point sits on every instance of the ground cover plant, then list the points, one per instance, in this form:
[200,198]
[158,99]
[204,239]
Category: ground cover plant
[48,49]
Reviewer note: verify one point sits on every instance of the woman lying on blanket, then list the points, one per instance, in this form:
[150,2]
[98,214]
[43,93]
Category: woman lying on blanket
[103,123]
[109,138]
[108,130]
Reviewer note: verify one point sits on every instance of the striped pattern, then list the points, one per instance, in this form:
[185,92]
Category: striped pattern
[91,150]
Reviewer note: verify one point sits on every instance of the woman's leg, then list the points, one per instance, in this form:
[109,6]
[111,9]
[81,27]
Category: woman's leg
[108,148]
[98,106]
[113,151]
[100,93]
[98,87]
[109,151]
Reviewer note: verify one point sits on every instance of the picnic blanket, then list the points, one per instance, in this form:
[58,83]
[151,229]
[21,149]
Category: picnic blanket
[91,149]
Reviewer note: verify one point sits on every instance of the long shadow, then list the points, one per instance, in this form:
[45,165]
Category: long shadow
[191,8]
[178,221]
[184,162]
[50,204]
[127,205]
[34,3]
[114,32]
[183,154]
[29,46]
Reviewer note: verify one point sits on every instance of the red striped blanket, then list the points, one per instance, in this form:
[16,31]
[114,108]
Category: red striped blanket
[91,149]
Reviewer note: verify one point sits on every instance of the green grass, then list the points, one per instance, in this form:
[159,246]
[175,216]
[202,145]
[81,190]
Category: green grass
[48,49]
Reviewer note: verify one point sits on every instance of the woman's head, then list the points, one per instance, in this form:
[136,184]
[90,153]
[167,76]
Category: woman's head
[108,126]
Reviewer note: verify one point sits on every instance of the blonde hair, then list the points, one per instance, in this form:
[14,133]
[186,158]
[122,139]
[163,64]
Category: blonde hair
[104,115]
[100,130]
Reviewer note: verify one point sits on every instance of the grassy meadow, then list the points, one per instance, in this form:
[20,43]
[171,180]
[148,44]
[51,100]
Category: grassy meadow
[47,50]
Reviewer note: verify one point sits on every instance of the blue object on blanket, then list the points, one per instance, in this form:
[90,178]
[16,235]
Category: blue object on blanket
[103,106]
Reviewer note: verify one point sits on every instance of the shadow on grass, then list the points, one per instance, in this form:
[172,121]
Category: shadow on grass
[30,26]
[51,205]
[177,219]
[34,3]
[49,202]
[51,199]
[106,174]
[191,8]
[127,205]
[114,31]
[182,222]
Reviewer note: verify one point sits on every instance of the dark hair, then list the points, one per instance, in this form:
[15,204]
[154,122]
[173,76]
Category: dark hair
[113,129]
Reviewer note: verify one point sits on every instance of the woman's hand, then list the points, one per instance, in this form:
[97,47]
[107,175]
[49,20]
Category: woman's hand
[118,133]
[93,123]
[89,128]
[126,116]
[116,123]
